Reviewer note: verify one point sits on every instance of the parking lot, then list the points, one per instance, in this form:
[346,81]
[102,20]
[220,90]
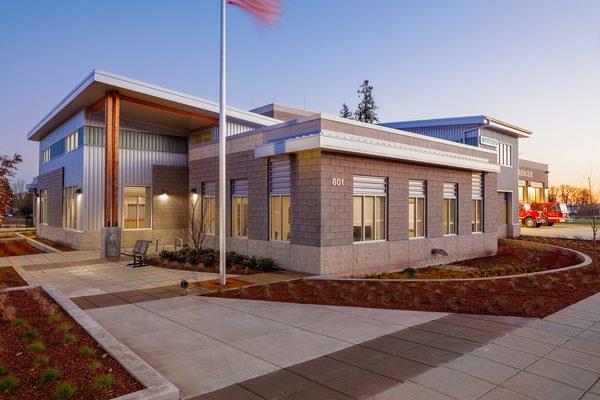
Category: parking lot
[570,231]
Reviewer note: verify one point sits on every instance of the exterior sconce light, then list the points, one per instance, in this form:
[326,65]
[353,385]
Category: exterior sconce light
[163,195]
[78,191]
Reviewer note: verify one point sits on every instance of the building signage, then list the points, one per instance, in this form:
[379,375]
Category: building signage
[337,181]
[525,173]
[488,141]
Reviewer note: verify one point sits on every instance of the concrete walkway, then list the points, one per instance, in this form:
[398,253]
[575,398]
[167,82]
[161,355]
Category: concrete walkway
[236,349]
[568,231]
[82,273]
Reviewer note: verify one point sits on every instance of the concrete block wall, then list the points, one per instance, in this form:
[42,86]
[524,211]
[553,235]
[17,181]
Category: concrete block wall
[170,212]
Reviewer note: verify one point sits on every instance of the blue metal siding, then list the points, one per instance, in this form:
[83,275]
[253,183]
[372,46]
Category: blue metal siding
[461,134]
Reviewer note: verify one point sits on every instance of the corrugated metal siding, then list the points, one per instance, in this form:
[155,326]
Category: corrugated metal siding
[233,128]
[94,136]
[451,133]
[135,168]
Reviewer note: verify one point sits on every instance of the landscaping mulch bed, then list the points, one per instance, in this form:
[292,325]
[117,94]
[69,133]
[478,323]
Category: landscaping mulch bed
[236,269]
[535,296]
[10,278]
[214,284]
[508,261]
[44,353]
[16,248]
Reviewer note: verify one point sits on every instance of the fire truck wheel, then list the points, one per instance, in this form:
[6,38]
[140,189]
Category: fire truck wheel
[530,223]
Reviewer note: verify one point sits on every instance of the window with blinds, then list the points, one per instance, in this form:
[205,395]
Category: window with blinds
[450,208]
[280,183]
[477,202]
[239,204]
[69,207]
[417,197]
[43,206]
[369,208]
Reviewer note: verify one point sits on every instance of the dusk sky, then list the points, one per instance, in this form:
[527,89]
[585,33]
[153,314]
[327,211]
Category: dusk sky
[535,64]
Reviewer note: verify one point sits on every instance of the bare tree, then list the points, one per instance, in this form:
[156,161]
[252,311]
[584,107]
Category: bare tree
[591,211]
[22,199]
[201,220]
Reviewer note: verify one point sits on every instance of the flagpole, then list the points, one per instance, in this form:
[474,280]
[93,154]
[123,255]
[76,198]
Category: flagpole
[222,151]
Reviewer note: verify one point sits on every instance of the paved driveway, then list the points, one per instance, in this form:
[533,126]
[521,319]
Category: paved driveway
[560,230]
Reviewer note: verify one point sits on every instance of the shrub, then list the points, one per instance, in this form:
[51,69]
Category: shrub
[449,303]
[266,264]
[54,317]
[87,351]
[49,376]
[266,290]
[69,339]
[31,334]
[94,366]
[17,323]
[36,347]
[103,381]
[40,360]
[233,258]
[64,327]
[488,307]
[415,302]
[63,391]
[9,384]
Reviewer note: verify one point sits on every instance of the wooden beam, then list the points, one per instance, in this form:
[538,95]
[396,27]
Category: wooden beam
[171,110]
[112,106]
[99,105]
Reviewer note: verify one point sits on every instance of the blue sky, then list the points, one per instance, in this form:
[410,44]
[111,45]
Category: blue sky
[535,64]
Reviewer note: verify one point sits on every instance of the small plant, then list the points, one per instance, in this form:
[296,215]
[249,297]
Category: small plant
[497,302]
[266,290]
[481,287]
[407,292]
[103,382]
[69,339]
[242,291]
[36,347]
[17,323]
[429,299]
[53,318]
[458,300]
[31,334]
[3,370]
[488,307]
[64,327]
[585,281]
[415,302]
[449,304]
[8,384]
[94,366]
[40,360]
[63,391]
[87,351]
[49,376]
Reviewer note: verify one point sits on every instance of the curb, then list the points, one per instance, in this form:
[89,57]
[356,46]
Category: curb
[38,245]
[157,386]
[584,261]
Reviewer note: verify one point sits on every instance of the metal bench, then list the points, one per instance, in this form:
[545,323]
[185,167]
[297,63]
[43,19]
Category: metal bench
[139,252]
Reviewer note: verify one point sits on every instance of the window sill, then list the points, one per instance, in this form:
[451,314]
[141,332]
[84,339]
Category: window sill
[370,241]
[449,234]
[477,233]
[239,237]
[137,229]
[417,238]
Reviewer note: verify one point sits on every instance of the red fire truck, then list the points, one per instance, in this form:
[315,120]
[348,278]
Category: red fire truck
[535,214]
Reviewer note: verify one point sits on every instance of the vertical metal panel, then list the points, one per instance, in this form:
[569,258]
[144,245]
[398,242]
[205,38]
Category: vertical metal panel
[451,133]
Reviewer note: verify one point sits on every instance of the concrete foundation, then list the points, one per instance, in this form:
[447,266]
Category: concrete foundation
[110,243]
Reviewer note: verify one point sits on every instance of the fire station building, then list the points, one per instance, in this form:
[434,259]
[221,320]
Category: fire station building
[317,193]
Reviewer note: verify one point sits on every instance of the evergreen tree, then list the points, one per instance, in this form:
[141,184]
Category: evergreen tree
[345,112]
[366,108]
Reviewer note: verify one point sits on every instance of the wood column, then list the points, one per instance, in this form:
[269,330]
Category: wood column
[112,108]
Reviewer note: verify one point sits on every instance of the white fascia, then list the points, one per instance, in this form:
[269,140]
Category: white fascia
[346,143]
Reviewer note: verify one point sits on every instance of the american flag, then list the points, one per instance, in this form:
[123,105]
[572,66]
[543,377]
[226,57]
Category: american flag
[266,11]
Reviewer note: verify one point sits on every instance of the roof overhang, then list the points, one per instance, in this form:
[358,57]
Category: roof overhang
[479,120]
[346,143]
[89,91]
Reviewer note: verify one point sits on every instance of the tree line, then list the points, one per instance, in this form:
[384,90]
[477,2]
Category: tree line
[571,195]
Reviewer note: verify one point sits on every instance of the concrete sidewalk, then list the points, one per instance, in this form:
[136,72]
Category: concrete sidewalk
[560,231]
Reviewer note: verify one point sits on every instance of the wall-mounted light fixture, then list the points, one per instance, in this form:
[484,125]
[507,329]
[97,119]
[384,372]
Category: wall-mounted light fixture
[163,195]
[194,194]
[78,191]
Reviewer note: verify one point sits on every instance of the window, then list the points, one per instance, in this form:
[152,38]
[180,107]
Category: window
[203,137]
[416,208]
[522,192]
[450,208]
[209,208]
[71,142]
[279,198]
[46,155]
[477,203]
[43,206]
[536,192]
[137,207]
[239,203]
[505,154]
[70,207]
[369,208]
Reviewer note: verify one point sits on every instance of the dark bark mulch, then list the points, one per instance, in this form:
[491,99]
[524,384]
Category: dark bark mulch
[10,278]
[74,367]
[536,296]
[17,248]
